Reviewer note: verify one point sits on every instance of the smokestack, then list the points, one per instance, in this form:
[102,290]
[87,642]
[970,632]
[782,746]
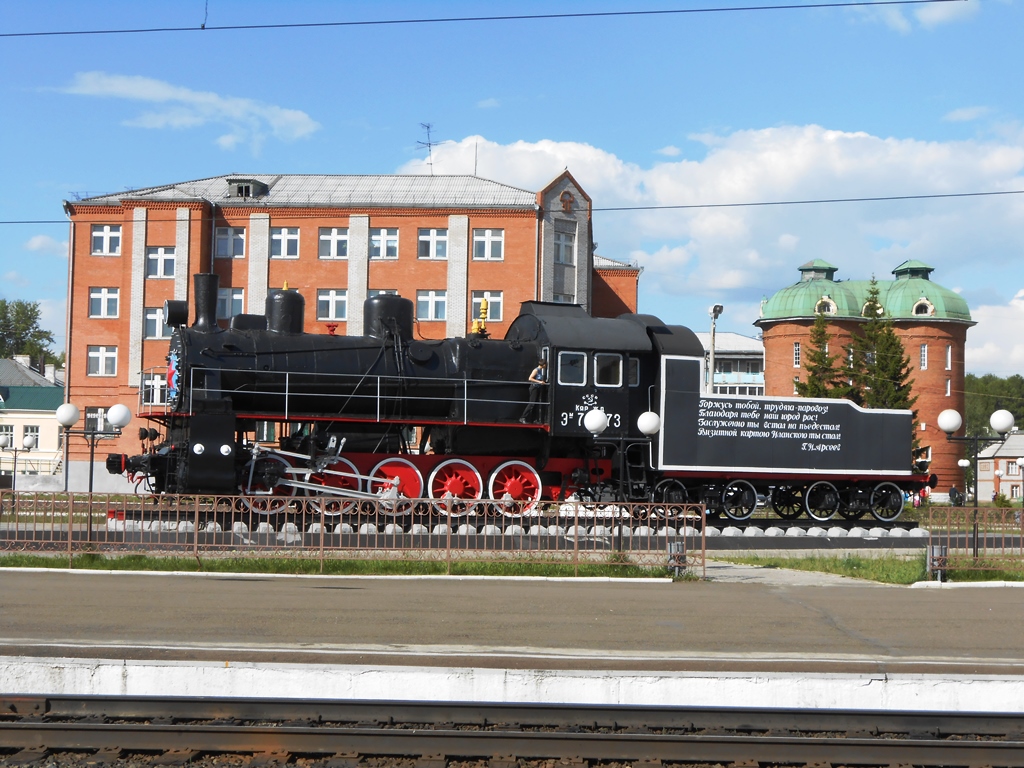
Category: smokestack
[206,284]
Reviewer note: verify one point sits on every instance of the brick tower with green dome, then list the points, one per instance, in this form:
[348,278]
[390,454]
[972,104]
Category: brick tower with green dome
[931,321]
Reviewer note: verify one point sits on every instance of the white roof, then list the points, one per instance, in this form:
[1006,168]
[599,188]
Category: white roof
[1012,448]
[731,343]
[394,191]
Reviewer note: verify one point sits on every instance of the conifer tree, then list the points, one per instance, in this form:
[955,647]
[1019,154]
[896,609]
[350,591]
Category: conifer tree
[824,377]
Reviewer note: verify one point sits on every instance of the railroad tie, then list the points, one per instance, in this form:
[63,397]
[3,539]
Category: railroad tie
[28,756]
[269,759]
[107,756]
[647,763]
[503,761]
[432,761]
[175,757]
[343,760]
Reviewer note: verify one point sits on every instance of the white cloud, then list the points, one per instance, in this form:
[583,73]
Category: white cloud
[669,151]
[965,114]
[13,278]
[996,343]
[47,245]
[944,13]
[52,313]
[737,255]
[247,120]
[491,103]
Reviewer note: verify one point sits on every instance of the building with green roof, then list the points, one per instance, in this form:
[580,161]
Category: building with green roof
[930,320]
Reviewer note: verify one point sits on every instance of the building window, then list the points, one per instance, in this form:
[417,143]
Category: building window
[154,325]
[31,430]
[160,262]
[607,370]
[103,302]
[563,298]
[229,302]
[102,361]
[754,367]
[431,305]
[229,243]
[949,357]
[723,366]
[333,243]
[106,239]
[489,244]
[634,372]
[266,431]
[154,389]
[433,244]
[331,304]
[494,302]
[383,243]
[565,247]
[1012,468]
[284,242]
[96,420]
[949,387]
[796,354]
[924,357]
[924,307]
[7,430]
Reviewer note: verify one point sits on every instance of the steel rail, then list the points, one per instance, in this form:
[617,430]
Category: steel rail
[530,732]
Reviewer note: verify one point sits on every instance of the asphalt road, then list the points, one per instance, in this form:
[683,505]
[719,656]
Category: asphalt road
[715,625]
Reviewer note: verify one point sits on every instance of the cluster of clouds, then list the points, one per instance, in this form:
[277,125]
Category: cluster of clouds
[741,253]
[247,121]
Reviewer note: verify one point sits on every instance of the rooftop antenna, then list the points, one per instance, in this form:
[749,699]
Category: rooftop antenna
[429,145]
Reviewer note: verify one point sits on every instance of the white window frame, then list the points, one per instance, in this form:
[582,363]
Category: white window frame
[109,236]
[565,248]
[563,298]
[109,302]
[436,240]
[489,242]
[332,299]
[796,354]
[607,354]
[101,361]
[227,300]
[284,242]
[924,357]
[155,315]
[495,304]
[229,243]
[383,240]
[584,357]
[333,243]
[154,389]
[949,387]
[160,262]
[436,303]
[949,357]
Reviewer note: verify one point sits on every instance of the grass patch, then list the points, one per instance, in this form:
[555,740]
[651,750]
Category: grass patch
[331,567]
[887,570]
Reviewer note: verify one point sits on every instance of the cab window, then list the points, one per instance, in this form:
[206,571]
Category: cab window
[572,369]
[607,370]
[634,372]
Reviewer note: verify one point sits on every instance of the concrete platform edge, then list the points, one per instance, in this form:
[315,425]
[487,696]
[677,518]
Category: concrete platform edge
[20,675]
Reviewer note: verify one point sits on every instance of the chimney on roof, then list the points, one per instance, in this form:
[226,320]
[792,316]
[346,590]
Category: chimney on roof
[51,373]
[23,360]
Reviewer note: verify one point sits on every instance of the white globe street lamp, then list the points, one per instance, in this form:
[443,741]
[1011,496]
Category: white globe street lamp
[28,442]
[118,416]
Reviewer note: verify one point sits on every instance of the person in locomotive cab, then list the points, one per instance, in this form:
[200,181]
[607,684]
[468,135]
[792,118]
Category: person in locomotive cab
[538,380]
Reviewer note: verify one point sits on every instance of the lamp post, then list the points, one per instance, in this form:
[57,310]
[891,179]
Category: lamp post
[1001,422]
[715,310]
[27,444]
[1020,471]
[117,416]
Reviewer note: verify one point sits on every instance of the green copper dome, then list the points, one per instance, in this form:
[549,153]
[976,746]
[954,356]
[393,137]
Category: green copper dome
[912,295]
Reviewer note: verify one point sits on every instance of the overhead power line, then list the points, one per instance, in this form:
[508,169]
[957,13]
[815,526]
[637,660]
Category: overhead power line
[694,206]
[464,19]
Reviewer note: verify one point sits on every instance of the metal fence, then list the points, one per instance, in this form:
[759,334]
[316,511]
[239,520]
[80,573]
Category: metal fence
[969,539]
[568,533]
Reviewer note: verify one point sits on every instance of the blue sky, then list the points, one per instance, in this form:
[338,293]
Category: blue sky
[656,110]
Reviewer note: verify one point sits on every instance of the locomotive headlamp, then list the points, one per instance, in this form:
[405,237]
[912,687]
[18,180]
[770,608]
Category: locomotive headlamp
[198,449]
[595,421]
[225,450]
[649,423]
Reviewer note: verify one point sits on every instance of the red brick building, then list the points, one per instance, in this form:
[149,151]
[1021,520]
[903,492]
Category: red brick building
[930,321]
[446,242]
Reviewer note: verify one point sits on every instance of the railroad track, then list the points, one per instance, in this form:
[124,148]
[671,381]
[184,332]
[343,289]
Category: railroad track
[178,730]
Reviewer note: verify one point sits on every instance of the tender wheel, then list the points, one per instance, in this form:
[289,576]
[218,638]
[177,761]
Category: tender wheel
[886,502]
[338,478]
[821,501]
[264,487]
[788,501]
[739,500]
[515,487]
[670,498]
[458,480]
[395,496]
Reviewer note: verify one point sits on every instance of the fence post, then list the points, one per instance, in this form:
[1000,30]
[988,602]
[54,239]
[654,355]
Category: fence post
[448,548]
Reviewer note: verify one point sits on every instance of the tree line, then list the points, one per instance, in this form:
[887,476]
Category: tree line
[20,333]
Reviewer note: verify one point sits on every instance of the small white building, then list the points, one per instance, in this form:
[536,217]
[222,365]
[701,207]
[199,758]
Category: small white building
[739,363]
[28,404]
[999,469]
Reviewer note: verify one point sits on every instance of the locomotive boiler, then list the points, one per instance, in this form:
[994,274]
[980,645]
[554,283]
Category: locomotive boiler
[388,415]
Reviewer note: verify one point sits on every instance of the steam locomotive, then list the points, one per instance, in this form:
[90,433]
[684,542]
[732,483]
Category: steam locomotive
[387,416]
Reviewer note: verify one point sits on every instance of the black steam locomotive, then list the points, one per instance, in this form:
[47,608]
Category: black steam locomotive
[388,416]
